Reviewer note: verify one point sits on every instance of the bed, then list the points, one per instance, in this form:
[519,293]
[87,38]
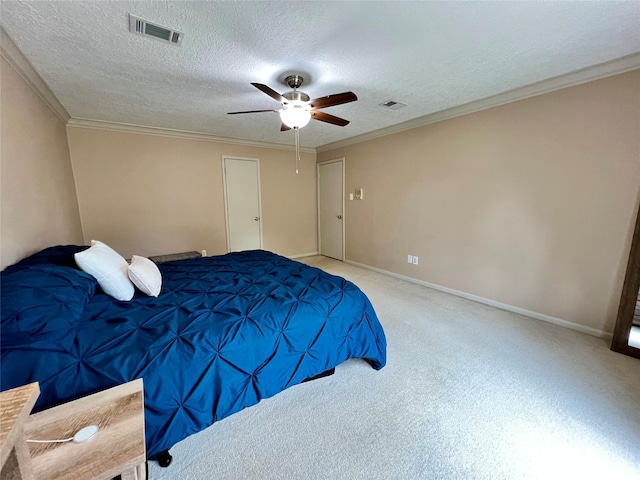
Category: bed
[224,333]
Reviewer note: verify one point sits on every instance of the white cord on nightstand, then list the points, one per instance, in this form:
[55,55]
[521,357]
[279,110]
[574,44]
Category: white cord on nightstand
[85,434]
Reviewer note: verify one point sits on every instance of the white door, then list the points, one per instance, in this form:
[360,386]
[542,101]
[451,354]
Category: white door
[242,202]
[330,208]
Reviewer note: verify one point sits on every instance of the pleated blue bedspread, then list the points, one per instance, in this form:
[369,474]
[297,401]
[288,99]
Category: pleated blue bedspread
[224,333]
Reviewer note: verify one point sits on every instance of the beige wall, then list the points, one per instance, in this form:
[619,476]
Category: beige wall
[38,196]
[530,204]
[148,195]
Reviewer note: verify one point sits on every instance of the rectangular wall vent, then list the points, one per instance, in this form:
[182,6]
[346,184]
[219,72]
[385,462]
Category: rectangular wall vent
[143,27]
[393,105]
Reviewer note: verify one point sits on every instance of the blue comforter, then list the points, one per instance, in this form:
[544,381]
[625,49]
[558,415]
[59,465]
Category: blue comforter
[224,333]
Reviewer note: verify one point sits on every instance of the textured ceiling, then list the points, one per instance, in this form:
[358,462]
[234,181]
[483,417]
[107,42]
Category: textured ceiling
[429,55]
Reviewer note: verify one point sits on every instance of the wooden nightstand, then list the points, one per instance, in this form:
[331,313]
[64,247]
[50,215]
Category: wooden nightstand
[117,449]
[15,406]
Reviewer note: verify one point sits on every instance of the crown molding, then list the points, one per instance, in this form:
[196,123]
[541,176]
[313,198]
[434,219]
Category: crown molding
[10,52]
[595,72]
[168,132]
[14,57]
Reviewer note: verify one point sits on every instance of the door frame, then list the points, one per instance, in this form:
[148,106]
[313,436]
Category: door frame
[628,299]
[226,202]
[318,165]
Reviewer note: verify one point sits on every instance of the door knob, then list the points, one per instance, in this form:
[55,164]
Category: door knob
[256,218]
[339,216]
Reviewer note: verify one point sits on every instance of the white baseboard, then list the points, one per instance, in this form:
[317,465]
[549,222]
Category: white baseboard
[503,306]
[301,255]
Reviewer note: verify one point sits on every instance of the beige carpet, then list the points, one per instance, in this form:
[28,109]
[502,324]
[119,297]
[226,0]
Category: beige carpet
[469,392]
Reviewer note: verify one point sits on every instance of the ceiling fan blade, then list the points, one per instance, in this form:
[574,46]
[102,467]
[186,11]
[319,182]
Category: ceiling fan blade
[335,99]
[269,91]
[251,111]
[325,117]
[284,128]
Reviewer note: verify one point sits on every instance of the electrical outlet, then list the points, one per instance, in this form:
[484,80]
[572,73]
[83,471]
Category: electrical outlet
[415,260]
[409,258]
[204,253]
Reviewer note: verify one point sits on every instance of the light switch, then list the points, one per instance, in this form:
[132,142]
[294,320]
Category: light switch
[359,193]
[351,196]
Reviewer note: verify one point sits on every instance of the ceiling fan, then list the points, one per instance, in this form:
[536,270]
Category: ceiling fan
[297,109]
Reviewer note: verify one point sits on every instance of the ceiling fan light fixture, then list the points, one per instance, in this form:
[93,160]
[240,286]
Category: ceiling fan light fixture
[297,108]
[295,115]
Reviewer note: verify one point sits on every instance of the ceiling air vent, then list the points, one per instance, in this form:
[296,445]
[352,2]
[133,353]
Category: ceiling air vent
[393,105]
[148,29]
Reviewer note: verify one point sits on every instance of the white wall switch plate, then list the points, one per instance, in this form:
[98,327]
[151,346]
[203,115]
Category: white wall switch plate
[351,196]
[204,253]
[409,258]
[415,260]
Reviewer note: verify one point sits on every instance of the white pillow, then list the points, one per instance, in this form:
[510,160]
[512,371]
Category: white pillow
[145,275]
[108,267]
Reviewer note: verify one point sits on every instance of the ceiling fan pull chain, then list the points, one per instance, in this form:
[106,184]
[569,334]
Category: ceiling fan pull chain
[297,134]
